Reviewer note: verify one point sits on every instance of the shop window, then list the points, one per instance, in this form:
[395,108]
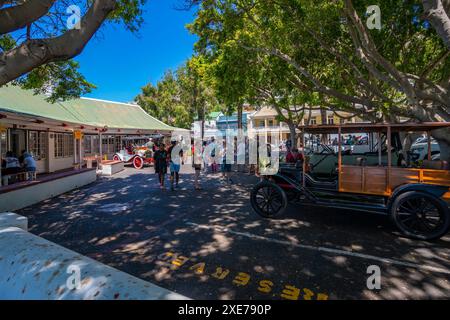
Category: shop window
[37,144]
[95,144]
[3,143]
[87,142]
[117,144]
[330,120]
[63,145]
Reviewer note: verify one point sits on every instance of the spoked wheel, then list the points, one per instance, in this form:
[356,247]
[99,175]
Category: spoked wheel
[421,215]
[138,163]
[116,158]
[268,199]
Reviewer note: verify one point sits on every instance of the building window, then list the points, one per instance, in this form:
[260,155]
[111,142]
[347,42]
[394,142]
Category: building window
[63,145]
[271,123]
[3,143]
[262,124]
[108,144]
[95,144]
[314,120]
[117,144]
[87,144]
[342,121]
[330,120]
[37,144]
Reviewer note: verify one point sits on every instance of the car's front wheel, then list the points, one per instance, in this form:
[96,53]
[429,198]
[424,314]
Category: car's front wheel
[420,215]
[268,199]
[138,163]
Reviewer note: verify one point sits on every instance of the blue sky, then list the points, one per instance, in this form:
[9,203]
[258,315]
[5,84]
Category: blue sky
[119,63]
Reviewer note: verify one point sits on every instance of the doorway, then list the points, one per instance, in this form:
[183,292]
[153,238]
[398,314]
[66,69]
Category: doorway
[18,141]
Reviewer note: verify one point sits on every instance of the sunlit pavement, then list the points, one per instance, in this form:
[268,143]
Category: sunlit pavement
[209,244]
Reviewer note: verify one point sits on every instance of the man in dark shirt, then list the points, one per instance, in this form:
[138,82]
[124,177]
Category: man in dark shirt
[160,158]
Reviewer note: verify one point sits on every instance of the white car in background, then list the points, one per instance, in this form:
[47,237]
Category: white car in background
[419,150]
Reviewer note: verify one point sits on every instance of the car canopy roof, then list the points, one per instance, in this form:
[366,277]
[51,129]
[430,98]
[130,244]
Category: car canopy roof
[374,127]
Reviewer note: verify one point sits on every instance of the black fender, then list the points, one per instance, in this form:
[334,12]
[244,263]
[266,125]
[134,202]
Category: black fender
[277,178]
[435,190]
[284,181]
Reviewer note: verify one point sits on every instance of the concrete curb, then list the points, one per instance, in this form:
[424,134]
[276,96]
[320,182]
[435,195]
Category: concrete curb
[34,268]
[10,219]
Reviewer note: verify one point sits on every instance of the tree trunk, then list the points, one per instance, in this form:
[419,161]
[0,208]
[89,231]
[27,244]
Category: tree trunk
[239,117]
[442,137]
[203,123]
[324,120]
[293,133]
[435,12]
[407,141]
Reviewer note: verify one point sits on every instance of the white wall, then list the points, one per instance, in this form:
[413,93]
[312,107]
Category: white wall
[24,197]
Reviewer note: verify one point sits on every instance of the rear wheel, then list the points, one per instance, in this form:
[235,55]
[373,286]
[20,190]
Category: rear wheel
[138,163]
[268,199]
[420,215]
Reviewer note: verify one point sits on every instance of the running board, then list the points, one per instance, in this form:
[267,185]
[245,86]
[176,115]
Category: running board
[378,209]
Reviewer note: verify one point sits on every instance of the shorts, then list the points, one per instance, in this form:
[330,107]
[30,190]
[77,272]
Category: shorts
[174,167]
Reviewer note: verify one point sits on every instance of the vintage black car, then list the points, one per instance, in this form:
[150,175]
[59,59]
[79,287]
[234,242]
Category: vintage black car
[379,180]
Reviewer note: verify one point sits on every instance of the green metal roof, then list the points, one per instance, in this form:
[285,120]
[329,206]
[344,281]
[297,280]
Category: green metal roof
[14,99]
[97,113]
[113,114]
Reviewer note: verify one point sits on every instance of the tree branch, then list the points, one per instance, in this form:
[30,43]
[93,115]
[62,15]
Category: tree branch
[19,16]
[435,12]
[36,52]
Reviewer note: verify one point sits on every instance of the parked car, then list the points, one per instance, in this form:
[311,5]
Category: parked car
[419,150]
[416,199]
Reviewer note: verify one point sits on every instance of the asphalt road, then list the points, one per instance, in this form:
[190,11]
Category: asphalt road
[210,244]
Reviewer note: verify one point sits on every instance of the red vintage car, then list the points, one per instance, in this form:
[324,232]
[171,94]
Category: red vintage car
[136,156]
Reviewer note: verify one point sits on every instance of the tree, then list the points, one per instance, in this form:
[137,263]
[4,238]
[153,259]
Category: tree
[36,44]
[400,71]
[163,101]
[197,94]
[180,97]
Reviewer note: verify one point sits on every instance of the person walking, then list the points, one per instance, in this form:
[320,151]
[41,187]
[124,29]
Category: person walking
[175,165]
[197,160]
[205,158]
[241,160]
[226,167]
[212,155]
[160,159]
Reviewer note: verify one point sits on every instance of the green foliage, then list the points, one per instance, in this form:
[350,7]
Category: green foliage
[243,40]
[129,12]
[180,97]
[61,80]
